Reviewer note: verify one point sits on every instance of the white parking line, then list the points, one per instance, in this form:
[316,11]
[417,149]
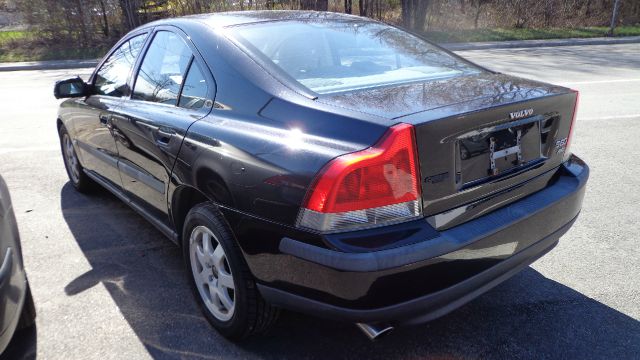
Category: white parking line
[631,116]
[600,81]
[7,150]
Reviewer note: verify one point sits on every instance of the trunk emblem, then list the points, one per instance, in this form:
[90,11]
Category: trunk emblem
[520,114]
[561,145]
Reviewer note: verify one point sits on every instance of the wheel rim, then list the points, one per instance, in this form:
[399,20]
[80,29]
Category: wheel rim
[70,158]
[212,273]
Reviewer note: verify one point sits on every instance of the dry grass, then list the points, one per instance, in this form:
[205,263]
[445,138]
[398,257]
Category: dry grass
[28,46]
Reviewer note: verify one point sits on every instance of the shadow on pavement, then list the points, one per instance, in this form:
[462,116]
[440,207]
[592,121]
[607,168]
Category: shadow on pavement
[528,316]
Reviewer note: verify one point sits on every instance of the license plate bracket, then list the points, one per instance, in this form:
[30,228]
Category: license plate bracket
[498,154]
[498,150]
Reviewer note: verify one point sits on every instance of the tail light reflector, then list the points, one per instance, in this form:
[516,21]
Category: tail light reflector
[573,122]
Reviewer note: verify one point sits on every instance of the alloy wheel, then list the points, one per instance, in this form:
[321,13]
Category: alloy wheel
[212,273]
[71,159]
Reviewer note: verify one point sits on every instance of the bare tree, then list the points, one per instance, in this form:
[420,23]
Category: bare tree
[414,14]
[363,7]
[81,18]
[477,4]
[105,18]
[90,22]
[348,6]
[321,5]
[614,17]
[130,8]
[548,12]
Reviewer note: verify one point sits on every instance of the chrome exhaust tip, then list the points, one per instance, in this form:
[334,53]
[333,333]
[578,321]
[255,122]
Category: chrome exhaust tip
[374,331]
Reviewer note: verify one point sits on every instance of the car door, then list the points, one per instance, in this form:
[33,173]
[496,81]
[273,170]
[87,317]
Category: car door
[92,126]
[171,90]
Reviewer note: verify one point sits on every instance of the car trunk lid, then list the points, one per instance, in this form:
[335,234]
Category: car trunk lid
[474,161]
[483,140]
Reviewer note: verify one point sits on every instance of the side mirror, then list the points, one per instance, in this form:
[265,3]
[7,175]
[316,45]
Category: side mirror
[71,88]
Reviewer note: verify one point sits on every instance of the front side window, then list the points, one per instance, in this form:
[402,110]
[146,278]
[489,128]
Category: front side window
[111,79]
[162,70]
[194,91]
[347,55]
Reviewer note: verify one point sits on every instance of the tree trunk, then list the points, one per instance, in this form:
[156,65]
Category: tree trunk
[307,4]
[320,5]
[420,14]
[348,6]
[131,18]
[105,19]
[406,14]
[197,6]
[364,7]
[614,17]
[83,24]
[414,14]
[477,16]
[548,12]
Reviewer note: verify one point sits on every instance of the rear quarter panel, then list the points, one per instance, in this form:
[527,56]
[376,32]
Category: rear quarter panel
[262,144]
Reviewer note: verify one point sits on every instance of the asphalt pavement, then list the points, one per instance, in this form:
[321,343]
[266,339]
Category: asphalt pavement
[107,285]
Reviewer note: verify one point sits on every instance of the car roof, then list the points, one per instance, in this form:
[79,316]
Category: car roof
[232,18]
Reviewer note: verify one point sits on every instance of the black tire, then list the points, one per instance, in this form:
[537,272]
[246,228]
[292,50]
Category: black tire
[28,314]
[252,315]
[81,181]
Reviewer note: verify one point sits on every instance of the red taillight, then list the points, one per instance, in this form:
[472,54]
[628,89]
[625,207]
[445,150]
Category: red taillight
[573,121]
[381,176]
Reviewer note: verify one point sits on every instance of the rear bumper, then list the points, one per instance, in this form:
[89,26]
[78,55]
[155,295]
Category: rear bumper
[424,308]
[426,279]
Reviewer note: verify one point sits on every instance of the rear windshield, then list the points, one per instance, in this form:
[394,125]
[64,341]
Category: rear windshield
[338,56]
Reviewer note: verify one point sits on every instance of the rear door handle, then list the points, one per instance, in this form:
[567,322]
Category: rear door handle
[163,137]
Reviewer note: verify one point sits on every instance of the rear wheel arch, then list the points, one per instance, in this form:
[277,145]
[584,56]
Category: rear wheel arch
[183,200]
[213,185]
[186,197]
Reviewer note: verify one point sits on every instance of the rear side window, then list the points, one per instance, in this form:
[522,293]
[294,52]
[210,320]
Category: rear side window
[111,79]
[194,91]
[335,56]
[161,73]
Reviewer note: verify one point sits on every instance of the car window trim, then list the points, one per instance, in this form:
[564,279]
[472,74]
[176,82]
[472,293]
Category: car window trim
[195,55]
[195,62]
[138,65]
[184,80]
[116,47]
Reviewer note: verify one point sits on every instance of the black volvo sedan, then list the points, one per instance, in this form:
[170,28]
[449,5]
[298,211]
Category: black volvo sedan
[325,163]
